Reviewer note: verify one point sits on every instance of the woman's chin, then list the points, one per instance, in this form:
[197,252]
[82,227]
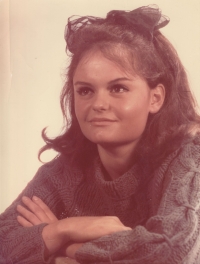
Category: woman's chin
[107,142]
[102,141]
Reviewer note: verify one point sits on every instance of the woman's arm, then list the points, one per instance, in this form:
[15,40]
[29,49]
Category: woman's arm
[71,231]
[170,236]
[33,243]
[25,245]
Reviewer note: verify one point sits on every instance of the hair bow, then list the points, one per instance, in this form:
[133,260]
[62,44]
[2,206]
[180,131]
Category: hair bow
[145,20]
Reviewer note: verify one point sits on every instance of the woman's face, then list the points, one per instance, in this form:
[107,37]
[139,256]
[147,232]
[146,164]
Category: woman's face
[111,105]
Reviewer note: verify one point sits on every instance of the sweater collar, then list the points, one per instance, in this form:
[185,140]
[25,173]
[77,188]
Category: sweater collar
[120,188]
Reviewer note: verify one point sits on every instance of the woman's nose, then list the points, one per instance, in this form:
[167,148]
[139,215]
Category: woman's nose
[100,101]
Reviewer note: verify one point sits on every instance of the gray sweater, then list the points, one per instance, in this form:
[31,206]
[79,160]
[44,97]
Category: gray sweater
[164,216]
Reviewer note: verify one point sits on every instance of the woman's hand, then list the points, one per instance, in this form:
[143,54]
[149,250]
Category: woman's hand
[73,230]
[86,228]
[70,250]
[38,212]
[77,230]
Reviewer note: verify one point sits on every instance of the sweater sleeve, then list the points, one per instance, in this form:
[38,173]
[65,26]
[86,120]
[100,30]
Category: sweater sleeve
[25,245]
[172,234]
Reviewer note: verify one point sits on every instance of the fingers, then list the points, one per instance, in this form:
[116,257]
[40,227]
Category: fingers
[45,209]
[29,216]
[38,212]
[22,221]
[71,250]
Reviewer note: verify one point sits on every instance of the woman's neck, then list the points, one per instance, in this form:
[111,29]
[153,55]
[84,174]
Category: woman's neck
[116,160]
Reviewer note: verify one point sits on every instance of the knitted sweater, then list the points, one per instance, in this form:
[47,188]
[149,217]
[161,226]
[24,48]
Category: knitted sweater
[165,219]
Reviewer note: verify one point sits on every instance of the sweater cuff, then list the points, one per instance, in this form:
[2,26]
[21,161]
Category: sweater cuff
[35,254]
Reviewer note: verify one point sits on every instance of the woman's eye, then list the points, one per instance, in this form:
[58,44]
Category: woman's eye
[118,89]
[83,91]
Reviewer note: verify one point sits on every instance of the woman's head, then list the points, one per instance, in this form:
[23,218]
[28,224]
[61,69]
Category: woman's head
[112,104]
[132,41]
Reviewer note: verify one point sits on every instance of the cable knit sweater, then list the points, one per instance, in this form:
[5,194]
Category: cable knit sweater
[165,219]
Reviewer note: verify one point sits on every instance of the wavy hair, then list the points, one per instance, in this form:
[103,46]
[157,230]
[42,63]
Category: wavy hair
[152,58]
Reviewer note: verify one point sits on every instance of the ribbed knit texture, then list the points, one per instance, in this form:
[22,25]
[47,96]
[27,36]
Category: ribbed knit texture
[165,219]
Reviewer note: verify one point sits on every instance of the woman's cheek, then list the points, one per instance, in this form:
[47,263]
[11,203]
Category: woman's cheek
[81,110]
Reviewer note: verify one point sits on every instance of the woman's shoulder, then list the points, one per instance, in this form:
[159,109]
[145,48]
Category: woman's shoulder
[184,160]
[52,167]
[177,169]
[57,164]
[188,156]
[60,170]
[190,147]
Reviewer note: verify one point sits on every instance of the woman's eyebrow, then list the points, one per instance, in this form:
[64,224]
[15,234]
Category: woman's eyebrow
[110,82]
[81,83]
[120,79]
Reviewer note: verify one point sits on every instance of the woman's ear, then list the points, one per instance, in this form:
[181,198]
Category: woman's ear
[157,98]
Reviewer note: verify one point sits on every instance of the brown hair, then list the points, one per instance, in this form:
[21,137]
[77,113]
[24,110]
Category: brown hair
[155,60]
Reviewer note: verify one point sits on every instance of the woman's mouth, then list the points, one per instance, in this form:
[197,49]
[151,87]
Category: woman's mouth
[101,121]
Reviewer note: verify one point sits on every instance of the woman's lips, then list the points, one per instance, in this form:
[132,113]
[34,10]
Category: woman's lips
[101,121]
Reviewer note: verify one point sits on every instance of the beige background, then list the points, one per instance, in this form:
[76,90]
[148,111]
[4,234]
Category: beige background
[32,66]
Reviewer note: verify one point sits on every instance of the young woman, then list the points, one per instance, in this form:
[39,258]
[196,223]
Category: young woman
[125,187]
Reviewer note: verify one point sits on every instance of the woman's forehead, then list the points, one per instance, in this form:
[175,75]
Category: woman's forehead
[118,55]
